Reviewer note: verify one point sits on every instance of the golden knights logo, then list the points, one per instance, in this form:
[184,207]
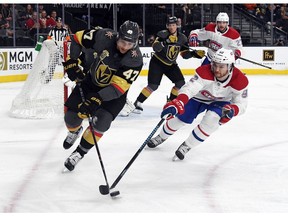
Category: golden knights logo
[103,75]
[3,61]
[172,52]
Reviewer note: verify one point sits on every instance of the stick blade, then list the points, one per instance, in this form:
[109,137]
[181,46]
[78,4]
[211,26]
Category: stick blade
[104,189]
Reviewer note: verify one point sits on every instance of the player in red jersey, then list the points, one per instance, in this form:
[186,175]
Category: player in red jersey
[220,35]
[219,89]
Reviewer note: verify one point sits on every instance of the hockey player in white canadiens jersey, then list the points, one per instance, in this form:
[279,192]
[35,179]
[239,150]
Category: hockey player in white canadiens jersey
[219,89]
[220,35]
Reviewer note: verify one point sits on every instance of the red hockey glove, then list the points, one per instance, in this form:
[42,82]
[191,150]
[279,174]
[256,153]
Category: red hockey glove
[228,112]
[175,106]
[193,40]
[237,54]
[72,69]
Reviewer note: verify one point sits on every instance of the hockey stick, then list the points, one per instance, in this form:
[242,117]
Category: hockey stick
[104,189]
[255,63]
[244,59]
[136,154]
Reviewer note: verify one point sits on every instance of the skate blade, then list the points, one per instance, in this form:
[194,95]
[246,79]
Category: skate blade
[136,111]
[175,158]
[65,170]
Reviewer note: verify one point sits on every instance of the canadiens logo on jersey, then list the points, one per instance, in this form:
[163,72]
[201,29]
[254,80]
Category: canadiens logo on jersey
[208,95]
[172,52]
[214,45]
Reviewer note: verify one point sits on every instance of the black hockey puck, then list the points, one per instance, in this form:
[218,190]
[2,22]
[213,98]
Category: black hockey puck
[114,193]
[104,189]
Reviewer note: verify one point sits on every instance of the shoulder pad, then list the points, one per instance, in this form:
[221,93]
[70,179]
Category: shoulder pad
[238,81]
[133,58]
[182,37]
[205,72]
[163,34]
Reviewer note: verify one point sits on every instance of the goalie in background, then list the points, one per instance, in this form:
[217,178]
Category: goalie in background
[219,89]
[168,44]
[116,66]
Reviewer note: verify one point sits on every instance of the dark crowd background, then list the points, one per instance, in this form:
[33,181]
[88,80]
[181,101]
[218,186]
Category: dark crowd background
[259,24]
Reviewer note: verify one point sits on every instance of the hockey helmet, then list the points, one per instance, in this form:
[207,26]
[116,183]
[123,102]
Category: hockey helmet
[224,56]
[172,20]
[129,31]
[222,17]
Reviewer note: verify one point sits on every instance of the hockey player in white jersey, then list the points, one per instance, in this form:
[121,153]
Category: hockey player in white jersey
[219,89]
[220,35]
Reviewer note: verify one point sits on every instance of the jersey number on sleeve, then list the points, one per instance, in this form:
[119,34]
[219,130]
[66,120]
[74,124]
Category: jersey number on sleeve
[89,35]
[131,74]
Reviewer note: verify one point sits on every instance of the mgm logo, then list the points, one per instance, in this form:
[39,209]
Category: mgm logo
[3,61]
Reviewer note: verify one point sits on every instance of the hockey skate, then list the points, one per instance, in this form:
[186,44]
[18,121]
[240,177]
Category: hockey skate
[138,107]
[72,160]
[127,109]
[181,151]
[154,142]
[71,138]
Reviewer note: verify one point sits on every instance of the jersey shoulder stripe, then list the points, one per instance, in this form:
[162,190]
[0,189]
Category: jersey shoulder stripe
[239,81]
[205,72]
[232,33]
[210,27]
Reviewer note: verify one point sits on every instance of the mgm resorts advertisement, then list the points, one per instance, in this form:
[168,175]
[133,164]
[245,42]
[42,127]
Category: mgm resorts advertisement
[16,63]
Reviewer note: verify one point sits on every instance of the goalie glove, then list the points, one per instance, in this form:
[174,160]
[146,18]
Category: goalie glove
[90,105]
[228,112]
[73,70]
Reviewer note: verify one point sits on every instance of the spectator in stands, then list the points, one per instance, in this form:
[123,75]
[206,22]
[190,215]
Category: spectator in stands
[260,11]
[32,24]
[43,22]
[150,40]
[187,14]
[40,8]
[284,11]
[281,41]
[275,11]
[7,13]
[29,10]
[282,24]
[3,23]
[51,22]
[251,8]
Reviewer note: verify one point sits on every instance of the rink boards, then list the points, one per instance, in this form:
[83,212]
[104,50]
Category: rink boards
[16,63]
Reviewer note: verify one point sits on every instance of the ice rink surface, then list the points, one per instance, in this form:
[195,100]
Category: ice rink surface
[241,168]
